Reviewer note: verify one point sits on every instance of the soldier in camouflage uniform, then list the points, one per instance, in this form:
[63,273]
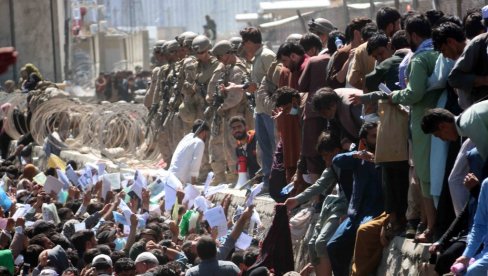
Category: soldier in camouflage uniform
[194,98]
[225,105]
[157,51]
[180,124]
[167,79]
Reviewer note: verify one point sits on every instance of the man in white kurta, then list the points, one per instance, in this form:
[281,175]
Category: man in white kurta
[187,157]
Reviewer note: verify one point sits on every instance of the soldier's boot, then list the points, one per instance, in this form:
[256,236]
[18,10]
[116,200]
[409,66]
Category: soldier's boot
[219,174]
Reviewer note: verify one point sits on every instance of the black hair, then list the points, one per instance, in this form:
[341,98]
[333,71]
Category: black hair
[237,118]
[473,24]
[368,31]
[251,34]
[331,46]
[31,255]
[199,125]
[73,164]
[433,16]
[250,256]
[206,248]
[399,40]
[357,24]
[284,95]
[327,142]
[407,15]
[324,98]
[162,259]
[94,207]
[104,249]
[237,257]
[386,16]
[448,18]
[124,264]
[38,240]
[376,41]
[365,128]
[288,48]
[447,30]
[4,271]
[117,255]
[418,24]
[51,172]
[433,117]
[80,238]
[309,41]
[60,239]
[90,254]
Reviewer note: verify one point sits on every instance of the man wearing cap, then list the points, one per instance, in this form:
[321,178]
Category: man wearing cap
[102,264]
[321,27]
[188,155]
[228,103]
[145,261]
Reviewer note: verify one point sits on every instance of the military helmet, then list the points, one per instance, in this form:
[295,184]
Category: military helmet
[294,38]
[321,25]
[235,42]
[171,46]
[222,47]
[186,38]
[201,43]
[158,45]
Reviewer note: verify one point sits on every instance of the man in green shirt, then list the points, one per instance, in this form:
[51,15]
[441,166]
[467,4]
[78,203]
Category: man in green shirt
[419,98]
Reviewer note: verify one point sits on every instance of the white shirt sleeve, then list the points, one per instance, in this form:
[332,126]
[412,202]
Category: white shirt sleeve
[197,157]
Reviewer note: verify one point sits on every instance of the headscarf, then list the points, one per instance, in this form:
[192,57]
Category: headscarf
[277,251]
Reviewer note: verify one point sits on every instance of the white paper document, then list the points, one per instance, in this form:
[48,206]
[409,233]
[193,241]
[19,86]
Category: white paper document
[40,178]
[190,194]
[216,218]
[80,226]
[216,189]
[210,176]
[52,184]
[22,209]
[254,193]
[244,241]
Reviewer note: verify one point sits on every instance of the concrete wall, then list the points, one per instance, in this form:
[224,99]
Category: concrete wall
[137,46]
[35,35]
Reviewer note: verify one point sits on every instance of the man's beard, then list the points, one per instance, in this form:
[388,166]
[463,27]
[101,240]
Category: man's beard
[240,135]
[413,47]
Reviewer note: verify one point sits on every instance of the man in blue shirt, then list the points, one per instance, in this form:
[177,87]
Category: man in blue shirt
[366,199]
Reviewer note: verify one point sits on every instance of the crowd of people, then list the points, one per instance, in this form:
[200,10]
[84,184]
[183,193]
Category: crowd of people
[120,85]
[382,128]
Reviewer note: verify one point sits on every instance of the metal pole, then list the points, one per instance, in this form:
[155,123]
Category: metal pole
[12,35]
[397,4]
[302,21]
[53,40]
[371,9]
[346,11]
[67,58]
